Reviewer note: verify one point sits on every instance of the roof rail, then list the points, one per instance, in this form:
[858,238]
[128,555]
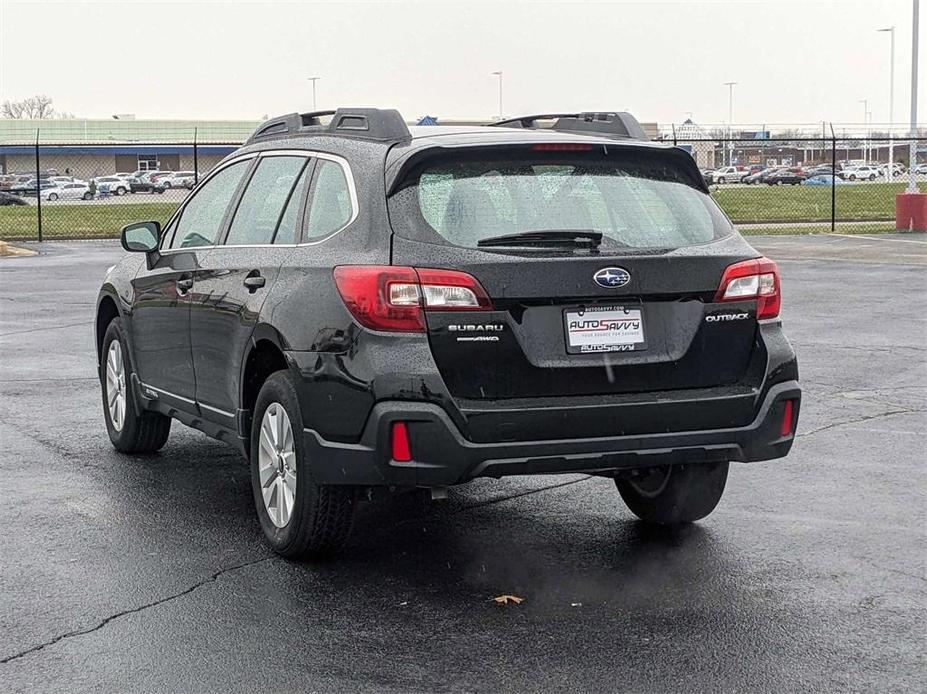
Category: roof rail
[384,125]
[614,123]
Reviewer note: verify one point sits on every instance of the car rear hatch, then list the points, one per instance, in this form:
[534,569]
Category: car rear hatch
[601,265]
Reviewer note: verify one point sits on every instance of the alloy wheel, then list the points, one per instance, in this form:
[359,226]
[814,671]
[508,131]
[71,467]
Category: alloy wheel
[116,385]
[277,464]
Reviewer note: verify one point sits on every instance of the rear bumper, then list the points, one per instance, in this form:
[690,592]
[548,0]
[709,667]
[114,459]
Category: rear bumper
[443,456]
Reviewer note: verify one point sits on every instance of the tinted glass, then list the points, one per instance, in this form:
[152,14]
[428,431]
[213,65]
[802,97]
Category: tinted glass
[637,200]
[331,200]
[288,230]
[202,217]
[262,203]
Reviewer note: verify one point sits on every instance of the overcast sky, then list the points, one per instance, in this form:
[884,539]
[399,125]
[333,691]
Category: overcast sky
[795,62]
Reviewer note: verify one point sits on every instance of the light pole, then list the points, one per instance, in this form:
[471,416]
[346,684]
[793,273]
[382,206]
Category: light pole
[891,105]
[912,151]
[730,120]
[865,147]
[313,80]
[498,73]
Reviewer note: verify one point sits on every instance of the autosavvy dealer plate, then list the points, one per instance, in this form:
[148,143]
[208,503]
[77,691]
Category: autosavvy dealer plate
[604,329]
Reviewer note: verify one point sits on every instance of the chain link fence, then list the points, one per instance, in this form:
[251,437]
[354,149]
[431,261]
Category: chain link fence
[56,188]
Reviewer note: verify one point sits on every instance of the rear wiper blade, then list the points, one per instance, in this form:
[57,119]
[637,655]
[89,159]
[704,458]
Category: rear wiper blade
[582,238]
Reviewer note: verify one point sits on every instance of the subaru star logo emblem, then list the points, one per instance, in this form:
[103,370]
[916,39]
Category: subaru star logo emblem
[612,277]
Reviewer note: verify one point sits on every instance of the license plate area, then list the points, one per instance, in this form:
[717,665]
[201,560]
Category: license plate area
[597,329]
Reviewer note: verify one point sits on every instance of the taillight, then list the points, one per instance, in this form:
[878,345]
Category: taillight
[752,279]
[395,298]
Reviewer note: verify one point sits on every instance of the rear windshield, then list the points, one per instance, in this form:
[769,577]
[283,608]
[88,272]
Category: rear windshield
[635,199]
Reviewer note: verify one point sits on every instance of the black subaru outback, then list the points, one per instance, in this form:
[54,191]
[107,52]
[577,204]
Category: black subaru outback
[357,304]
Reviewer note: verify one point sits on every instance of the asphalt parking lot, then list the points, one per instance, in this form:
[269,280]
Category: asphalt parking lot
[149,574]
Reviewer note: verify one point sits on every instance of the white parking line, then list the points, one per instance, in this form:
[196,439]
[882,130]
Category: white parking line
[876,238]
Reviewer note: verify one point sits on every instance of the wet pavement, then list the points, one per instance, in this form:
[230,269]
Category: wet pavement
[148,573]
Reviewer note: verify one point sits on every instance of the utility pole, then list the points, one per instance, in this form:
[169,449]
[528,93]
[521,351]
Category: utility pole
[498,73]
[891,105]
[313,80]
[912,151]
[730,120]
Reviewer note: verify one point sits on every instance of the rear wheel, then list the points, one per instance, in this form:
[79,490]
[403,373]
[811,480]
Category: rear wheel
[721,180]
[130,431]
[675,494]
[52,197]
[88,195]
[299,517]
[120,191]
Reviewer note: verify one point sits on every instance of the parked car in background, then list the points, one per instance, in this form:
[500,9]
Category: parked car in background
[147,182]
[759,176]
[862,173]
[785,177]
[728,174]
[14,181]
[920,169]
[10,199]
[897,169]
[823,170]
[115,185]
[68,191]
[179,179]
[823,180]
[31,187]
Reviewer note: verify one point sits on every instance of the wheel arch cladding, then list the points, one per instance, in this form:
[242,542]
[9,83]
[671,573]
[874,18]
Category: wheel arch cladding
[106,312]
[264,358]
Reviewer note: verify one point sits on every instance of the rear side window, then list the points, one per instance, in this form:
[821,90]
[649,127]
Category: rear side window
[331,206]
[202,216]
[263,201]
[635,199]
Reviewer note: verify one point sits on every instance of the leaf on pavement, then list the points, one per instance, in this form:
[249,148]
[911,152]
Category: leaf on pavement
[508,600]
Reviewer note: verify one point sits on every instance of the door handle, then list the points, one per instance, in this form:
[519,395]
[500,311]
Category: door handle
[184,284]
[254,282]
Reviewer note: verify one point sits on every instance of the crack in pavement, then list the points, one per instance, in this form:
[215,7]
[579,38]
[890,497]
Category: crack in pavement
[857,420]
[81,632]
[51,327]
[215,576]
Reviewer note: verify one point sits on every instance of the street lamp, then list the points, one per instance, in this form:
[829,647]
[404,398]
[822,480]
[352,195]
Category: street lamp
[313,80]
[865,147]
[498,73]
[730,120]
[891,104]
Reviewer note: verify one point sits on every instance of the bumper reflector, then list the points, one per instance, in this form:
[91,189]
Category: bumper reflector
[402,453]
[786,428]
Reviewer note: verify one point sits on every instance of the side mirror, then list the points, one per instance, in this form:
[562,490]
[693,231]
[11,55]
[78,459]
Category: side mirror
[141,237]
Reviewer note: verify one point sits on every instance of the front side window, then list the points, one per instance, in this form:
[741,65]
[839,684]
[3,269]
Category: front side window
[262,204]
[201,218]
[331,203]
[635,199]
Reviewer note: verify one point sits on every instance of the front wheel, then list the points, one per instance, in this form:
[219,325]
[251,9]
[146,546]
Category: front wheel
[52,197]
[88,195]
[675,494]
[130,430]
[721,180]
[299,517]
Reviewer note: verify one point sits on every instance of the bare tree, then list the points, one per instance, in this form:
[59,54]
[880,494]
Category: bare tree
[38,106]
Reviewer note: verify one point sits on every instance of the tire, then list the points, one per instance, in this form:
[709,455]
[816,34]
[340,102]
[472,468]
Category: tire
[138,432]
[167,185]
[721,179]
[852,177]
[52,197]
[676,494]
[120,191]
[319,518]
[872,177]
[87,196]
